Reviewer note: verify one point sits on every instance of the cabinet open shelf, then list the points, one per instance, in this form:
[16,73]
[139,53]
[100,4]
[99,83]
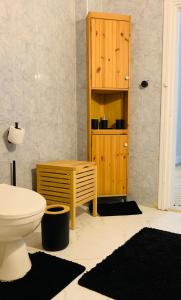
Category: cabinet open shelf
[112,106]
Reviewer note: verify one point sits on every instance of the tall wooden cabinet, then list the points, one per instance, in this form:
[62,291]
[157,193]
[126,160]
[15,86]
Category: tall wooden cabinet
[108,93]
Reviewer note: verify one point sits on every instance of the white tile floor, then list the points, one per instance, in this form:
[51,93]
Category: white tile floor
[96,238]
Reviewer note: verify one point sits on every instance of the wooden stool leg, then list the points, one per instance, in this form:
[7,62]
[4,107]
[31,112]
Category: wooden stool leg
[94,202]
[94,207]
[72,216]
[73,201]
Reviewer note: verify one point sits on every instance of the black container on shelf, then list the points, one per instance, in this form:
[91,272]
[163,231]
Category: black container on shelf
[120,124]
[103,124]
[55,227]
[94,123]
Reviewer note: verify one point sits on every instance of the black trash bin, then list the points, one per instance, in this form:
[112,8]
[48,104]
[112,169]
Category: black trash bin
[55,227]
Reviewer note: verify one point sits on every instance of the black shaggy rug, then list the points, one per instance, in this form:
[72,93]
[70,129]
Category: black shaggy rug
[47,277]
[146,267]
[115,207]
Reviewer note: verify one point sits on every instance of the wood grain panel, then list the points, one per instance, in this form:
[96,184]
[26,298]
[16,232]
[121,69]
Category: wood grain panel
[113,108]
[55,198]
[93,52]
[110,154]
[119,68]
[85,171]
[55,184]
[86,197]
[86,192]
[85,175]
[51,202]
[54,171]
[81,184]
[114,50]
[121,163]
[97,106]
[97,52]
[52,179]
[113,164]
[53,188]
[85,187]
[102,53]
[54,175]
[122,54]
[82,179]
[108,52]
[54,193]
[98,149]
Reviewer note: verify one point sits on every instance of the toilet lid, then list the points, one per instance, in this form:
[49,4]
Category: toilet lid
[19,202]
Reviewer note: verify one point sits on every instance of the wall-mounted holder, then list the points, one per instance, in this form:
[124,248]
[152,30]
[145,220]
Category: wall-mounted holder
[16,137]
[16,134]
[144,84]
[14,173]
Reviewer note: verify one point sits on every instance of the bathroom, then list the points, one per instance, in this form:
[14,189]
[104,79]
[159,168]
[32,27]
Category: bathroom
[43,87]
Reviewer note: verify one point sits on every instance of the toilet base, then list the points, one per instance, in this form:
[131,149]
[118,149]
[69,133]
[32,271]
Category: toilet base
[14,260]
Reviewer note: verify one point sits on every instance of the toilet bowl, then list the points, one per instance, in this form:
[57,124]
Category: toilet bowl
[21,211]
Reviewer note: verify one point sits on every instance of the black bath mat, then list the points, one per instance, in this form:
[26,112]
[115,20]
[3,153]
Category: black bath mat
[47,277]
[147,267]
[116,208]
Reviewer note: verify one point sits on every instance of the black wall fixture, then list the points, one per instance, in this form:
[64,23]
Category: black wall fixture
[144,84]
[14,173]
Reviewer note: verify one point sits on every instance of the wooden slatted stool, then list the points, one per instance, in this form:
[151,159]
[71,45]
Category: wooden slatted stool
[69,182]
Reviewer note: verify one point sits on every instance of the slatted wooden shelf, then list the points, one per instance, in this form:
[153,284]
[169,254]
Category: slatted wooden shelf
[68,182]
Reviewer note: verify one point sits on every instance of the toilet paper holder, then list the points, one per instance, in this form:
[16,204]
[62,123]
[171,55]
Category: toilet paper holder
[16,125]
[16,134]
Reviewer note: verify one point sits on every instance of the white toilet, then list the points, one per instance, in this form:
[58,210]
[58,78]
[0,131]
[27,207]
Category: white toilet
[21,211]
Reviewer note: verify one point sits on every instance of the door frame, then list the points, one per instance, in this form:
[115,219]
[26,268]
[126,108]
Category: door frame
[168,103]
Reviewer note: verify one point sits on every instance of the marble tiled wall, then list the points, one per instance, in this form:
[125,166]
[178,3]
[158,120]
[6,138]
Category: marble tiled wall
[37,84]
[40,59]
[82,8]
[147,23]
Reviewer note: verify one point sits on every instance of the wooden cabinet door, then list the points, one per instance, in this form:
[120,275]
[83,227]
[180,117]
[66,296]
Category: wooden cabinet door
[110,53]
[97,52]
[110,154]
[122,54]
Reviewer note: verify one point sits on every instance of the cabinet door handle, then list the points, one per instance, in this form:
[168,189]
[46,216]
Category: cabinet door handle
[125,145]
[126,77]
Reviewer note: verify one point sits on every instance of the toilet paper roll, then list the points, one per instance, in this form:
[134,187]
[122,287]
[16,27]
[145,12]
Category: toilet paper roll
[16,135]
